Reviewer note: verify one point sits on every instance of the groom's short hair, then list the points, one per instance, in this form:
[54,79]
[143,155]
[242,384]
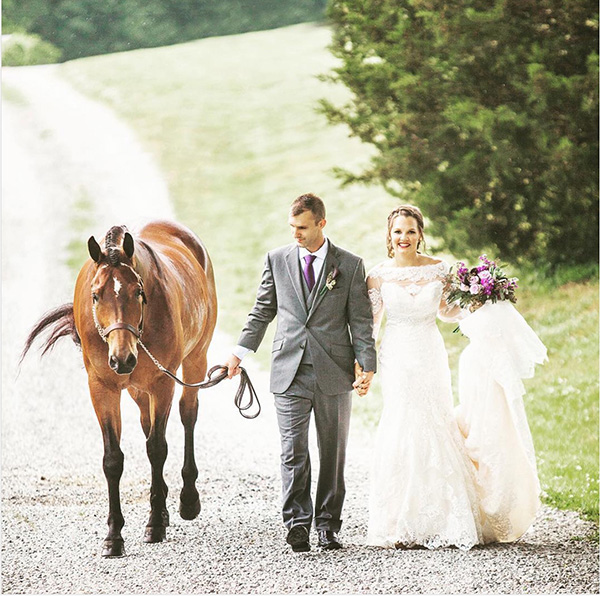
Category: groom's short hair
[309,202]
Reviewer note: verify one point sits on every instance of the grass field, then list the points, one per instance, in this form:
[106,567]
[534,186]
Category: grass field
[232,123]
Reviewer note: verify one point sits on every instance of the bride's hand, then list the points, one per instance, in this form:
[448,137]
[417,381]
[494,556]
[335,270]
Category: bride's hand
[362,381]
[475,306]
[362,390]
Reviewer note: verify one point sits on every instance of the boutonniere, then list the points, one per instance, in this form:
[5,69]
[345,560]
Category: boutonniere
[330,281]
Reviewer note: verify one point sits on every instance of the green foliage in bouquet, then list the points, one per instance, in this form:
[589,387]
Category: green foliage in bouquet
[474,287]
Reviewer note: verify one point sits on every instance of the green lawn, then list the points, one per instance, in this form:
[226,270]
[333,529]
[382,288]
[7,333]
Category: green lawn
[232,123]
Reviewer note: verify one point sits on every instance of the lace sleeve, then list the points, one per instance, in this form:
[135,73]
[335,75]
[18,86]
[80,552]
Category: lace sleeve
[376,300]
[374,286]
[451,313]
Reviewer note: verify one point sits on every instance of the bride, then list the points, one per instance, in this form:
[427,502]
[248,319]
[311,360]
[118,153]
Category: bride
[436,480]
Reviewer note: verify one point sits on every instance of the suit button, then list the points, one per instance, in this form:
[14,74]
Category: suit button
[302,346]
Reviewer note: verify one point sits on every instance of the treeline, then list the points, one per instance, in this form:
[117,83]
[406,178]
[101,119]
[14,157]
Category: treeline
[89,27]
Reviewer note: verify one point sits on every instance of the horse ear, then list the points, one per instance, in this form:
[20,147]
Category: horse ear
[94,250]
[128,245]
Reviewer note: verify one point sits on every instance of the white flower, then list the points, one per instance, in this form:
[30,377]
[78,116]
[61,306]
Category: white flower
[464,287]
[484,274]
[475,289]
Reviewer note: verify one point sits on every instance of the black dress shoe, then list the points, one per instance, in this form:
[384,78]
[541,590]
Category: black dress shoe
[328,540]
[297,538]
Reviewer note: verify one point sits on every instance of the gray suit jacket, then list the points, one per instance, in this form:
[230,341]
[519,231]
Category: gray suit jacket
[336,329]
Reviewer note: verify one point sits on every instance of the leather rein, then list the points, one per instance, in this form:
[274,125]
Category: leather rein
[245,382]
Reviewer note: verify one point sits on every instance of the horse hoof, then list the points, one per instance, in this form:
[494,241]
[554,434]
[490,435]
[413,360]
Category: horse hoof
[113,547]
[188,511]
[155,534]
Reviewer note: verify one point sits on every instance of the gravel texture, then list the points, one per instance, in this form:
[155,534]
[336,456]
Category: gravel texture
[58,148]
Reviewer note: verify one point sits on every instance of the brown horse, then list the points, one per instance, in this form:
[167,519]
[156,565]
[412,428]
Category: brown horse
[161,287]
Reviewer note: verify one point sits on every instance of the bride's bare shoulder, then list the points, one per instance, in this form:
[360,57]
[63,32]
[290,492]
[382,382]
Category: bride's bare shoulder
[425,260]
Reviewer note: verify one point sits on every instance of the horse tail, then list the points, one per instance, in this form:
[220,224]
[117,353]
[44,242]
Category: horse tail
[60,321]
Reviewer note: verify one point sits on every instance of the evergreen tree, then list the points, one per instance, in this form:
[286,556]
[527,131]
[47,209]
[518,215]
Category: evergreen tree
[484,113]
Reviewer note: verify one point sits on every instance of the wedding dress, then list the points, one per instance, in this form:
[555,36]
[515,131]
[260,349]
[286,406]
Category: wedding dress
[423,488]
[503,349]
[440,477]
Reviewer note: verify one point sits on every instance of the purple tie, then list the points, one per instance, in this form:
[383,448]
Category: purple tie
[309,273]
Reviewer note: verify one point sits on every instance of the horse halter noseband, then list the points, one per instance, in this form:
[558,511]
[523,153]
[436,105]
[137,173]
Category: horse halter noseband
[104,331]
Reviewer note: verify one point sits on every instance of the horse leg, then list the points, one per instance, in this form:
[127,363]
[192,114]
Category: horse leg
[156,446]
[142,399]
[108,411]
[194,371]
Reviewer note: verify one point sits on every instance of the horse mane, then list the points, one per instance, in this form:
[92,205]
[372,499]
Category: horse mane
[113,243]
[152,254]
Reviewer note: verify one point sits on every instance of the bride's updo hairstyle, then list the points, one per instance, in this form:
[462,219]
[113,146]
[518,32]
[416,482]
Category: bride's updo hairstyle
[407,211]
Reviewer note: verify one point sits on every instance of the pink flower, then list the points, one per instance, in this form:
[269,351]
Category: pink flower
[475,289]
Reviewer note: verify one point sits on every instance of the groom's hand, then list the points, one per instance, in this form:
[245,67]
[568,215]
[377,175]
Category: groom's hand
[233,366]
[363,380]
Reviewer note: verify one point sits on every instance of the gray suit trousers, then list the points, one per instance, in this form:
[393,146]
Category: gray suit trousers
[332,419]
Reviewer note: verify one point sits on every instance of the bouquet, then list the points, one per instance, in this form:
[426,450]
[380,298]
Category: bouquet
[472,288]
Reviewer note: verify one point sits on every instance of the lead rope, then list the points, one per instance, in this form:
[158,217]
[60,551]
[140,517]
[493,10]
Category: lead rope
[245,383]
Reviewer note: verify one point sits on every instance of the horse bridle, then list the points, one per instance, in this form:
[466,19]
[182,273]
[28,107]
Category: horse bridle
[120,324]
[245,382]
[103,332]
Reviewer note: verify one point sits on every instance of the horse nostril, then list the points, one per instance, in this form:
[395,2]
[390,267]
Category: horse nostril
[113,362]
[131,361]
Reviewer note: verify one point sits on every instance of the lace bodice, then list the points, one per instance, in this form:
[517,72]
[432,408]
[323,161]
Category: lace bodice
[409,295]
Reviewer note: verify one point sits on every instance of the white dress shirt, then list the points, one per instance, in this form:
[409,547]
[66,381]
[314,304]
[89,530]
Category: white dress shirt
[320,254]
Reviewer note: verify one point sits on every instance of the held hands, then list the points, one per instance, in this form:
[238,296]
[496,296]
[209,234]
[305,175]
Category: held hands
[233,366]
[363,380]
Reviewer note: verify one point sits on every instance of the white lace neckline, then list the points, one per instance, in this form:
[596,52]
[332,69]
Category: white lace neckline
[421,272]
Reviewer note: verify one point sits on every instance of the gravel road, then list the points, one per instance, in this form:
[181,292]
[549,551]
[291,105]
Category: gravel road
[62,151]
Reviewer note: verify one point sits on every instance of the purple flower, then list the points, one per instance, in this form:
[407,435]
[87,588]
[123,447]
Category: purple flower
[477,285]
[484,259]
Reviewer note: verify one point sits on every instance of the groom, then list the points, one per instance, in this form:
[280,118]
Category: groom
[324,324]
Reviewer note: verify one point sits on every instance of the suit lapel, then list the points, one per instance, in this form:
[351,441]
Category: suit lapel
[331,262]
[293,264]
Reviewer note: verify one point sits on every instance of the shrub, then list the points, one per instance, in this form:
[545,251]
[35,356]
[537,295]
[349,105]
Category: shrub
[21,49]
